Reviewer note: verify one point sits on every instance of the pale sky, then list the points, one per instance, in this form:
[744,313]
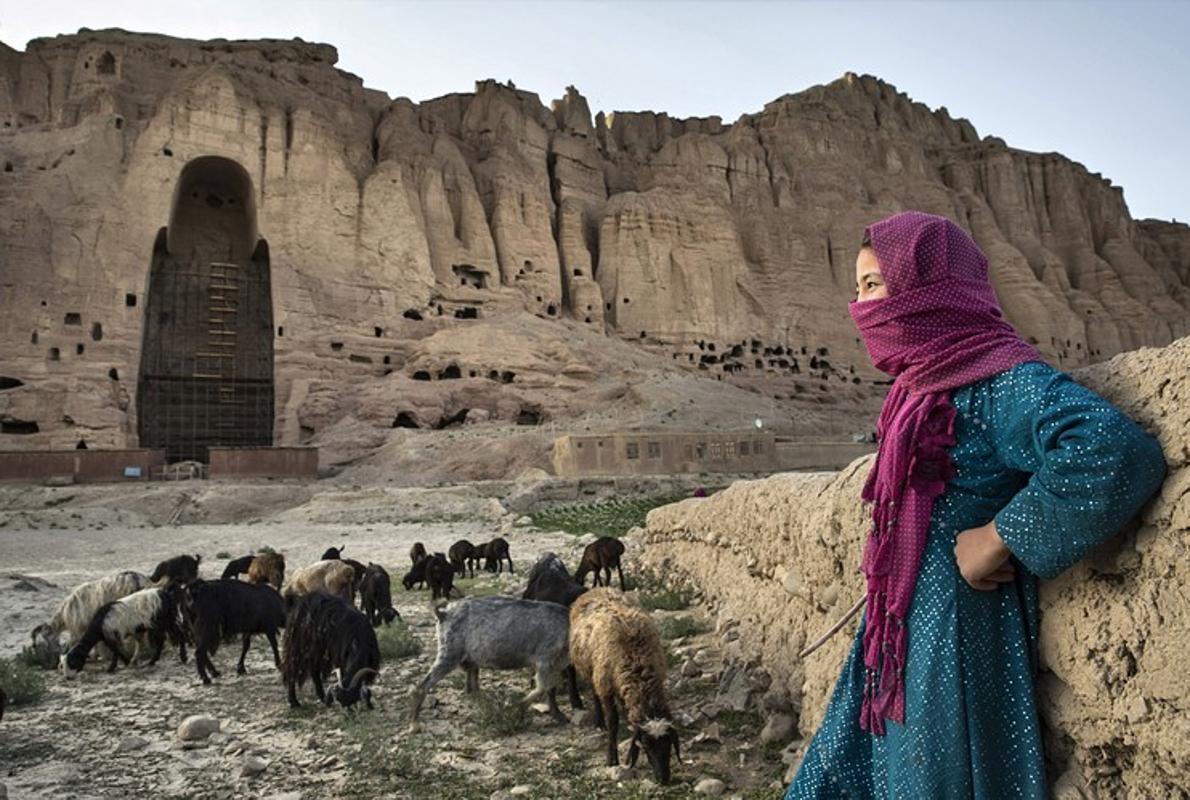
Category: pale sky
[1104,83]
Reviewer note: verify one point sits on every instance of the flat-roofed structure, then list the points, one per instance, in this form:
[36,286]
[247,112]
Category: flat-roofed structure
[647,453]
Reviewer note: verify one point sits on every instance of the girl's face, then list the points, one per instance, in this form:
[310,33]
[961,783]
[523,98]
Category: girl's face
[868,283]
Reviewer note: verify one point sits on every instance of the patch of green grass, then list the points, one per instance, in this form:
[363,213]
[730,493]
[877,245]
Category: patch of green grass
[677,627]
[397,641]
[613,517]
[39,655]
[735,723]
[223,554]
[500,712]
[478,587]
[266,550]
[665,600]
[22,684]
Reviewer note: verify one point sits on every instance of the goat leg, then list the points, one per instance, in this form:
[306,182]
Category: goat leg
[293,701]
[555,712]
[318,690]
[240,669]
[620,570]
[157,639]
[576,700]
[272,637]
[613,732]
[472,678]
[598,721]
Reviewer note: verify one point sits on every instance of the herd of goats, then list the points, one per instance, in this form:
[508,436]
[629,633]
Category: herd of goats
[556,628]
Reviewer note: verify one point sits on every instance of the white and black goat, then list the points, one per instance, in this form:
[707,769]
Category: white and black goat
[151,613]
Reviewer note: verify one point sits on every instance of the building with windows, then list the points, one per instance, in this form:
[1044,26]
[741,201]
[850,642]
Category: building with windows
[645,453]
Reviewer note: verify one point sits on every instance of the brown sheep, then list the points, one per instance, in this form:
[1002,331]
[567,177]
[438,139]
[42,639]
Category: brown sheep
[601,555]
[616,648]
[329,575]
[267,568]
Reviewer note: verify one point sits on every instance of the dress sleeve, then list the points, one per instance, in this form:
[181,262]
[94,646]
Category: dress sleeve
[1091,467]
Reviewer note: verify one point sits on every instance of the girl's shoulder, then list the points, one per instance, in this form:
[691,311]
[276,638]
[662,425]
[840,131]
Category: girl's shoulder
[1025,378]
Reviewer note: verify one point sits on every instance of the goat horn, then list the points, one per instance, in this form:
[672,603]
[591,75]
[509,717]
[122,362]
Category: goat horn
[359,676]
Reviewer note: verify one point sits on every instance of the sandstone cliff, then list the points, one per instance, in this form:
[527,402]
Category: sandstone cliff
[781,555]
[722,249]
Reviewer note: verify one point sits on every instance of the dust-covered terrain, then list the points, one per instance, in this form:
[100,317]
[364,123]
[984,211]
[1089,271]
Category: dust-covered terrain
[100,735]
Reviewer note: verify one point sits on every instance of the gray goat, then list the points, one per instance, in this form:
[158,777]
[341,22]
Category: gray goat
[500,633]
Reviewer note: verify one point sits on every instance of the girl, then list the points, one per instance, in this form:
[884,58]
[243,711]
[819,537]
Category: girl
[993,469]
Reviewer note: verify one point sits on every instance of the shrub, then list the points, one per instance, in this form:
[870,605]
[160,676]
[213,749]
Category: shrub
[500,712]
[21,683]
[397,641]
[677,627]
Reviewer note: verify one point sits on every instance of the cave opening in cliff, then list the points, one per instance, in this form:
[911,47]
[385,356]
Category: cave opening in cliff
[206,363]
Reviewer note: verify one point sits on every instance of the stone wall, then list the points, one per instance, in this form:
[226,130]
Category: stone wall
[781,555]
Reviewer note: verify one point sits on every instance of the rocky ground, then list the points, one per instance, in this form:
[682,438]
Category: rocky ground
[99,735]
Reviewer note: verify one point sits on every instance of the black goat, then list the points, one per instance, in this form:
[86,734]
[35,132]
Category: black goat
[440,575]
[237,567]
[462,557]
[218,610]
[179,569]
[324,633]
[417,575]
[549,580]
[494,553]
[376,598]
[601,554]
[357,577]
[417,552]
[333,554]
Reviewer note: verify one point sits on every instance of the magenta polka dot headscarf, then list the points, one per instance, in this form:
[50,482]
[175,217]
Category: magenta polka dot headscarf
[939,328]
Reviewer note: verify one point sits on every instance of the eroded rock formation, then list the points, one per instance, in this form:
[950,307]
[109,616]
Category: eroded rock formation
[726,249]
[780,557]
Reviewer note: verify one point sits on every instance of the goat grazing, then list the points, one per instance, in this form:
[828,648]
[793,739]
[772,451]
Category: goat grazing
[325,633]
[329,575]
[499,633]
[494,554]
[236,567]
[179,569]
[74,614]
[440,575]
[616,647]
[462,557]
[151,611]
[218,610]
[416,576]
[268,568]
[601,555]
[376,596]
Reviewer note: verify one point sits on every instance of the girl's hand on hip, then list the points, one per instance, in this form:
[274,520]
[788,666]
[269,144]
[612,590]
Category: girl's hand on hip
[983,557]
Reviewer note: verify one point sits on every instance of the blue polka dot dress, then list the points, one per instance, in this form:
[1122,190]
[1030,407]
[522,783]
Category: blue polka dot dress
[1060,469]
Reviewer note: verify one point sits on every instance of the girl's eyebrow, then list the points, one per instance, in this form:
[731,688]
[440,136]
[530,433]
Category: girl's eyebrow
[867,275]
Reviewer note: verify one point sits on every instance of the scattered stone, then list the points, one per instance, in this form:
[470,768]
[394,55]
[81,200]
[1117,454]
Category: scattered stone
[252,766]
[711,787]
[196,727]
[521,790]
[129,743]
[524,520]
[287,796]
[580,716]
[778,728]
[621,772]
[690,669]
[709,735]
